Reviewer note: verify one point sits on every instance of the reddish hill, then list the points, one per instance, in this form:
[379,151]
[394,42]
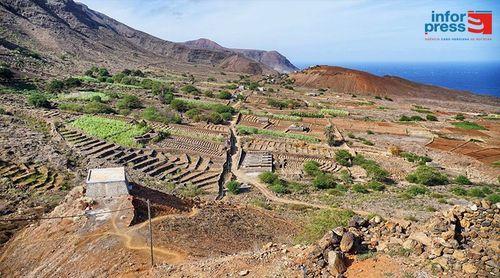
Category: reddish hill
[272,59]
[359,82]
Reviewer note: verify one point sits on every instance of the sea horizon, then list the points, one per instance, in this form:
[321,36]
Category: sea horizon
[482,78]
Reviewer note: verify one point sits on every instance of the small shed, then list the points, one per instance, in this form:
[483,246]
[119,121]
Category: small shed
[107,182]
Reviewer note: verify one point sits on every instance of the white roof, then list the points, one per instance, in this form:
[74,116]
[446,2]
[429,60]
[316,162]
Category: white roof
[106,175]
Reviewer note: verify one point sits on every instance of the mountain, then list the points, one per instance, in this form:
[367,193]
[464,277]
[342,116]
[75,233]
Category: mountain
[345,80]
[65,36]
[273,59]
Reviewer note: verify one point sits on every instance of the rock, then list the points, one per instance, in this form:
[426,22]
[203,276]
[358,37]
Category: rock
[469,268]
[339,231]
[409,244]
[486,204]
[486,223]
[347,242]
[326,240]
[357,221]
[422,238]
[336,265]
[243,272]
[473,207]
[448,234]
[458,255]
[268,245]
[442,261]
[377,219]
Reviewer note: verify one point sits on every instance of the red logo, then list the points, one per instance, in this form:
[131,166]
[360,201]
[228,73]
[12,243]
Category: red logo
[480,22]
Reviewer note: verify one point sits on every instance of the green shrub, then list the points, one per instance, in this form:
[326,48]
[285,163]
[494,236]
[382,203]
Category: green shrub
[268,177]
[55,86]
[224,95]
[463,180]
[311,167]
[460,117]
[233,187]
[415,190]
[324,181]
[279,186]
[215,118]
[334,112]
[179,105]
[457,190]
[345,176]
[97,107]
[376,186]
[373,170]
[494,198]
[427,176]
[359,188]
[343,157]
[38,100]
[476,192]
[190,89]
[71,107]
[191,191]
[322,222]
[129,102]
[469,126]
[412,157]
[6,73]
[432,118]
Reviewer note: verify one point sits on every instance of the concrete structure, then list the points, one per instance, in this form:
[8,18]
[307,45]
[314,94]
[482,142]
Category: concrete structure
[257,162]
[107,182]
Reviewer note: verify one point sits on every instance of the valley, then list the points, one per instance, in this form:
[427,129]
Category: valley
[252,167]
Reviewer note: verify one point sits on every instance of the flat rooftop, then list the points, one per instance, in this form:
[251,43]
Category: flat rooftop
[106,175]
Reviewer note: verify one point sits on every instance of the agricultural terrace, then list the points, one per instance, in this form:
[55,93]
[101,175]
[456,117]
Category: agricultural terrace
[248,130]
[116,131]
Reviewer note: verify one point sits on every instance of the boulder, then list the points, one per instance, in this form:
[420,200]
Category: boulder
[469,268]
[422,238]
[336,265]
[347,242]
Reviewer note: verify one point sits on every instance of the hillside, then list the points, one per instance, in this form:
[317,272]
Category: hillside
[61,36]
[273,59]
[345,80]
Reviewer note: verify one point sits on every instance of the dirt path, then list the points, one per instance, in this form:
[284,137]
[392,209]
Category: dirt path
[243,177]
[133,240]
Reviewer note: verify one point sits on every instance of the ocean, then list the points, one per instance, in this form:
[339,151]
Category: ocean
[479,78]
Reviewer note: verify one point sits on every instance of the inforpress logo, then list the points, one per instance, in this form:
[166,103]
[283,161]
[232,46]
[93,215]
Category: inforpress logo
[480,22]
[460,26]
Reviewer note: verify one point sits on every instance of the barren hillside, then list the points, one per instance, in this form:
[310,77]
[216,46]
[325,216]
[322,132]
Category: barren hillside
[62,35]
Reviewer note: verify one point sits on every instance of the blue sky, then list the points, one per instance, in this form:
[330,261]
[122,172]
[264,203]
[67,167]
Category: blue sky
[310,31]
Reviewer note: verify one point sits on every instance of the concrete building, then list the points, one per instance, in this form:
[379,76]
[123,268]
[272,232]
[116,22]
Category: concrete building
[107,182]
[257,162]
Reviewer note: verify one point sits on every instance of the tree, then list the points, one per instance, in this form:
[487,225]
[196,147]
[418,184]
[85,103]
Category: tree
[330,136]
[38,100]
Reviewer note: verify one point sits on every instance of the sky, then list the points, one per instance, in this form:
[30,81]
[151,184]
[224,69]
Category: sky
[311,31]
